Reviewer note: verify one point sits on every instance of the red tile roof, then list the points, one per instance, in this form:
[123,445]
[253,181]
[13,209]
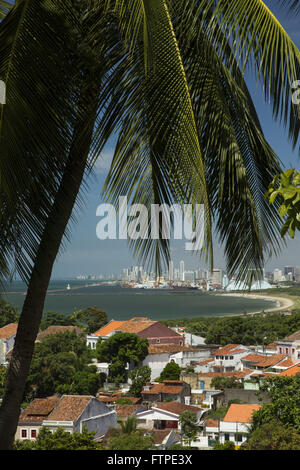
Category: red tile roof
[38,410]
[176,407]
[229,349]
[163,388]
[264,361]
[291,371]
[126,410]
[240,413]
[8,331]
[69,407]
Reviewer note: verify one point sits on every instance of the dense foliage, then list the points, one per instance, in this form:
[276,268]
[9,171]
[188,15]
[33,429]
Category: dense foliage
[90,319]
[120,350]
[60,364]
[273,436]
[247,330]
[8,313]
[60,440]
[171,371]
[139,376]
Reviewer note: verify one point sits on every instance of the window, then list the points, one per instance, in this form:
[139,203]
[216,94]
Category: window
[158,340]
[227,437]
[180,343]
[33,434]
[238,437]
[287,350]
[24,433]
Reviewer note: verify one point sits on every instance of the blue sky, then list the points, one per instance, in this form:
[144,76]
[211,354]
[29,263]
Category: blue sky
[86,254]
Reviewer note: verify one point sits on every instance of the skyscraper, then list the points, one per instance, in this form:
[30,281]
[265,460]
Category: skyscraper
[181,270]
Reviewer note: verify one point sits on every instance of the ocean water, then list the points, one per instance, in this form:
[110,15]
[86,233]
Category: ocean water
[124,303]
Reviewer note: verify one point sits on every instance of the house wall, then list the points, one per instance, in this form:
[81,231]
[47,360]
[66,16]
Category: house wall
[29,429]
[102,416]
[157,363]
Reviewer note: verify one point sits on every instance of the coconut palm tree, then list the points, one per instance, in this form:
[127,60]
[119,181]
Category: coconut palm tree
[168,79]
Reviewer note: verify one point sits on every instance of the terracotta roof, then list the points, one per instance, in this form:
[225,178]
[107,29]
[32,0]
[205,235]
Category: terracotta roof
[176,407]
[8,331]
[240,413]
[207,361]
[135,326]
[126,410]
[38,409]
[160,435]
[229,349]
[69,407]
[163,388]
[293,337]
[264,361]
[167,348]
[288,362]
[55,329]
[239,374]
[111,326]
[211,423]
[291,371]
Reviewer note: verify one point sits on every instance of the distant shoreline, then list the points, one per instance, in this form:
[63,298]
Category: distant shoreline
[283,303]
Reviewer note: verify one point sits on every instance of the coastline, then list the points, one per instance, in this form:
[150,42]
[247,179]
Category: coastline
[282,303]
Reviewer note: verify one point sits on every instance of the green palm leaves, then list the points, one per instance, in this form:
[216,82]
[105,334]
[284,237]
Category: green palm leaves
[169,77]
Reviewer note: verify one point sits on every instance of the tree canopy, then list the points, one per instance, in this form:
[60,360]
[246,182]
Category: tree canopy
[119,350]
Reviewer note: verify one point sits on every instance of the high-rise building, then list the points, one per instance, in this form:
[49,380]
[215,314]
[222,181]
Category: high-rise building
[297,273]
[181,271]
[289,270]
[277,275]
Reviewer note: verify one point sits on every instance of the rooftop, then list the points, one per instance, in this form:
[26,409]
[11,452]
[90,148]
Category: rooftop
[38,409]
[176,407]
[8,331]
[69,407]
[240,413]
[55,329]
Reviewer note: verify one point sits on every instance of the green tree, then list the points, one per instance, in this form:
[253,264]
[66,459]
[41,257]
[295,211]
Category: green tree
[8,313]
[92,317]
[286,188]
[220,383]
[60,364]
[3,371]
[54,318]
[187,130]
[60,440]
[131,441]
[120,350]
[285,403]
[229,445]
[171,371]
[189,426]
[273,436]
[139,376]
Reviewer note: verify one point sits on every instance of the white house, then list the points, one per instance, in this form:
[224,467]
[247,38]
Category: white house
[234,427]
[7,340]
[225,359]
[290,346]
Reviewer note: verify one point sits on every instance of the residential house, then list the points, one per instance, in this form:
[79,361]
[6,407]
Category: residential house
[155,332]
[228,358]
[234,427]
[165,415]
[175,390]
[202,381]
[31,419]
[291,371]
[69,412]
[159,355]
[290,346]
[7,341]
[262,362]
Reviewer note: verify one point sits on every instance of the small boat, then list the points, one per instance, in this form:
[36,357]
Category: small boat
[68,287]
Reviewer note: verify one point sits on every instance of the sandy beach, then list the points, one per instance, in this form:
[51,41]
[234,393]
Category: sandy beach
[282,303]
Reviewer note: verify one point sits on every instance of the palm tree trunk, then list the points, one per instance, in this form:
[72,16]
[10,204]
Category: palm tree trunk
[49,246]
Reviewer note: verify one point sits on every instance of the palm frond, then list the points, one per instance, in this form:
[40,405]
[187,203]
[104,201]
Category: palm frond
[259,41]
[35,123]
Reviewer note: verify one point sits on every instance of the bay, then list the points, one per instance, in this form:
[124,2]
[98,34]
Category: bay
[125,303]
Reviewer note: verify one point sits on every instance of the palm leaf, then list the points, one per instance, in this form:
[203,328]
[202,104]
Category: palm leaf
[35,123]
[259,41]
